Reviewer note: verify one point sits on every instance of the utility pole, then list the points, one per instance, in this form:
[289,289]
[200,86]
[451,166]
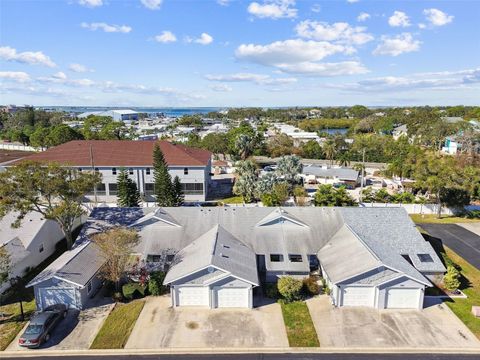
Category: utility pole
[363,175]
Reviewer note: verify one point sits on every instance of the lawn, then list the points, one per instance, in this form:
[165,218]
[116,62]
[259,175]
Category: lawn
[12,324]
[232,200]
[118,326]
[299,325]
[446,219]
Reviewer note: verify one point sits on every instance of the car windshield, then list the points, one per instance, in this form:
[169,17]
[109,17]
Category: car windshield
[33,329]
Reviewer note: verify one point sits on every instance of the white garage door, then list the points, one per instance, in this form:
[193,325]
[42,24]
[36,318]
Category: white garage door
[193,296]
[358,296]
[52,296]
[232,297]
[398,298]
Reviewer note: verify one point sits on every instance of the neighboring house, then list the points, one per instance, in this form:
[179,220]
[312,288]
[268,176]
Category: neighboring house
[330,175]
[451,146]
[401,130]
[299,136]
[30,244]
[125,115]
[214,257]
[192,166]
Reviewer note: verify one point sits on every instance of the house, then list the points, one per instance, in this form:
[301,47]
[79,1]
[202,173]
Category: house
[192,166]
[125,115]
[30,244]
[215,257]
[451,146]
[330,175]
[401,130]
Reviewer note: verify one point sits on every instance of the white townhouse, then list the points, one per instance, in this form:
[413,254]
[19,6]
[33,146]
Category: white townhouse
[108,157]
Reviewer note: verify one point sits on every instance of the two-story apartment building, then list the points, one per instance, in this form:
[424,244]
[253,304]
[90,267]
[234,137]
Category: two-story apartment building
[108,157]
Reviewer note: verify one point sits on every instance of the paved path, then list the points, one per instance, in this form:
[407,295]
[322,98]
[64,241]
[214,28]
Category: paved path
[465,243]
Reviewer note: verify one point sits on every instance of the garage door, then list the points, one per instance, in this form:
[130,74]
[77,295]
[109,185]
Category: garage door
[52,296]
[232,297]
[193,296]
[399,298]
[358,296]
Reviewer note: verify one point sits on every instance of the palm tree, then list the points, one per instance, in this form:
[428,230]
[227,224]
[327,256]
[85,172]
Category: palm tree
[330,150]
[344,159]
[244,146]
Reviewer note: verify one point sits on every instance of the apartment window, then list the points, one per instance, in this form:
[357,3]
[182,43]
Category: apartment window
[112,189]
[101,189]
[97,170]
[114,171]
[40,249]
[295,258]
[185,171]
[89,287]
[130,171]
[147,171]
[170,258]
[276,257]
[192,188]
[425,258]
[154,258]
[149,188]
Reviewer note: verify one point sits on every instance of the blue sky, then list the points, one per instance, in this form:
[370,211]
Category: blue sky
[239,53]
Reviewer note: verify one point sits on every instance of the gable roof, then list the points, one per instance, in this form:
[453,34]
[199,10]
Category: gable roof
[120,153]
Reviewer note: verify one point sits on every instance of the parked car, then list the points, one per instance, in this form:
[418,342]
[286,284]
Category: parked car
[41,326]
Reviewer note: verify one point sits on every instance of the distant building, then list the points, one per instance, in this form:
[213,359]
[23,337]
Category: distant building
[125,115]
[299,136]
[399,131]
[330,175]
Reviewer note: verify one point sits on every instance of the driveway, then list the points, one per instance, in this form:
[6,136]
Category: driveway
[464,242]
[161,326]
[433,327]
[76,331]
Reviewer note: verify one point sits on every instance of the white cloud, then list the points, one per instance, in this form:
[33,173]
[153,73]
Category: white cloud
[223,2]
[28,57]
[352,1]
[204,39]
[249,77]
[437,17]
[90,3]
[363,16]
[340,31]
[107,27]
[422,26]
[79,68]
[221,88]
[273,9]
[18,76]
[316,8]
[152,4]
[325,69]
[166,37]
[62,79]
[396,45]
[60,75]
[399,19]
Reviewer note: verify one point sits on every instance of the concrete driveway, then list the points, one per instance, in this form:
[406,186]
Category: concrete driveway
[161,326]
[433,327]
[458,238]
[76,332]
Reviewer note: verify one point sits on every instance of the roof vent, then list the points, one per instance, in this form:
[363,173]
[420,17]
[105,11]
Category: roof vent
[223,255]
[226,246]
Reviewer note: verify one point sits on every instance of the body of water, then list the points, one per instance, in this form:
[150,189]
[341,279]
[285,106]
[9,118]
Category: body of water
[167,111]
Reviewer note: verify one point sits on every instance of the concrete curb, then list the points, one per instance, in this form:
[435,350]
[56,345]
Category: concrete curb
[183,351]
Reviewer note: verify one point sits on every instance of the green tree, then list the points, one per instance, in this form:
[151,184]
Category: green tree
[289,168]
[312,150]
[39,138]
[246,180]
[164,190]
[451,280]
[327,195]
[244,145]
[178,196]
[5,264]
[330,150]
[52,190]
[217,143]
[61,134]
[290,288]
[127,192]
[280,145]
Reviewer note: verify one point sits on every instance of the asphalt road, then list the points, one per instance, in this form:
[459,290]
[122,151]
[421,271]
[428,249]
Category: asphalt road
[465,243]
[267,357]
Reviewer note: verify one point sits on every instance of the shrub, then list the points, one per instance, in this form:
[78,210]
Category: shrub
[290,288]
[133,291]
[473,214]
[155,283]
[310,286]
[271,291]
[451,280]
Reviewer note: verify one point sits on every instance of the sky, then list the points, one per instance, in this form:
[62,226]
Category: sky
[232,53]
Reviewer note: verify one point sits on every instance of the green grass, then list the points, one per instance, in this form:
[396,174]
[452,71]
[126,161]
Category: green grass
[446,219]
[299,325]
[13,324]
[118,326]
[232,200]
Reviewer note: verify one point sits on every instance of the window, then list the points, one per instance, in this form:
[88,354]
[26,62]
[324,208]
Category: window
[425,258]
[276,257]
[130,171]
[185,171]
[112,189]
[154,258]
[295,258]
[80,169]
[147,171]
[114,171]
[149,188]
[40,249]
[170,258]
[192,188]
[406,257]
[89,287]
[101,189]
[96,170]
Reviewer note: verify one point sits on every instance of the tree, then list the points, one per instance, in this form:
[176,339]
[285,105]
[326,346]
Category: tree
[289,169]
[103,128]
[127,192]
[327,195]
[61,134]
[312,150]
[451,280]
[244,145]
[217,143]
[290,288]
[50,189]
[178,196]
[280,145]
[330,150]
[39,138]
[116,246]
[300,195]
[246,180]
[265,184]
[5,264]
[164,190]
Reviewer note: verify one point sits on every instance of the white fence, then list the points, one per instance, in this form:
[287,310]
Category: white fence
[18,147]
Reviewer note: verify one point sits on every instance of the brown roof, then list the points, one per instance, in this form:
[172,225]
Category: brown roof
[10,155]
[121,153]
